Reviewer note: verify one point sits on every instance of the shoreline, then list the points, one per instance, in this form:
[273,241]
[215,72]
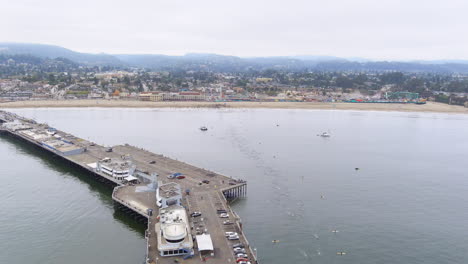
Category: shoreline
[430,107]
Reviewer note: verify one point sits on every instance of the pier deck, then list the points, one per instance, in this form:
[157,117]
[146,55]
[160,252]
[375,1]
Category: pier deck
[203,197]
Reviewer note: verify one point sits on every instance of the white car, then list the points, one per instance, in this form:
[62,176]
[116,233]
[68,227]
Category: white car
[230,233]
[239,250]
[244,262]
[241,255]
[233,237]
[224,215]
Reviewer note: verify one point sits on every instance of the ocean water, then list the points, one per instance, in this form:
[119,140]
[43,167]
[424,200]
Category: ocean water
[407,203]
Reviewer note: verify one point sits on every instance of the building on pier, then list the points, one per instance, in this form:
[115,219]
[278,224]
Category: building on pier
[63,148]
[35,134]
[117,168]
[168,194]
[16,126]
[173,232]
[172,229]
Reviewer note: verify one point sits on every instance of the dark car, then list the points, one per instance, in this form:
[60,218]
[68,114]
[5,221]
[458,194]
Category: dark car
[206,181]
[238,245]
[195,214]
[153,162]
[221,211]
[180,177]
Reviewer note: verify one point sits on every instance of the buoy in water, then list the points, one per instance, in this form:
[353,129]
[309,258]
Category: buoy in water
[341,253]
[356,168]
[275,241]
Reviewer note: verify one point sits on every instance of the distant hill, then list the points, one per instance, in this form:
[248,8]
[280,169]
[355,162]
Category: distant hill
[213,62]
[52,52]
[223,63]
[381,66]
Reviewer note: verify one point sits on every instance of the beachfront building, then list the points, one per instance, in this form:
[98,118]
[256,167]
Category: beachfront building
[150,96]
[184,96]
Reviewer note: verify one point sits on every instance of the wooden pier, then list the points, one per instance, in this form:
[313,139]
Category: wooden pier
[203,191]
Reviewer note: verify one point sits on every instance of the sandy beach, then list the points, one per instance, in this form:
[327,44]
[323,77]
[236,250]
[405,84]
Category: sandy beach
[429,107]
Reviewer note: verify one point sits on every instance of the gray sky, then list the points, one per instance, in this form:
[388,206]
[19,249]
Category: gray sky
[377,29]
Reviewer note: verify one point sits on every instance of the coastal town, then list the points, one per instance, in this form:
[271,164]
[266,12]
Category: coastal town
[24,80]
[234,132]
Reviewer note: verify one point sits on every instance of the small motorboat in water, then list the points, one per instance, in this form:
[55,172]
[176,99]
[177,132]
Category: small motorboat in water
[203,128]
[325,134]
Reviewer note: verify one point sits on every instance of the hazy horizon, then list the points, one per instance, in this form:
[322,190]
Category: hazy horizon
[383,30]
[320,56]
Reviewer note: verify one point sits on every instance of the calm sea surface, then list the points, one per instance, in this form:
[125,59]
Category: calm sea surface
[408,202]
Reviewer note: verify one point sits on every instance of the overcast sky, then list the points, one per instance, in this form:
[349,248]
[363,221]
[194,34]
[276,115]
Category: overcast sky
[377,29]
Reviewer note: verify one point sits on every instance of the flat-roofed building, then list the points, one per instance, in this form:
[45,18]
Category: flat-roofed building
[35,134]
[117,168]
[183,96]
[62,148]
[150,96]
[168,194]
[16,126]
[173,232]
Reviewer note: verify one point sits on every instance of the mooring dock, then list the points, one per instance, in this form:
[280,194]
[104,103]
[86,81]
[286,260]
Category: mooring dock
[202,191]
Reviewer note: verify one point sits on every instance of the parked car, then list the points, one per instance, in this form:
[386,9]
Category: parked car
[152,162]
[227,222]
[230,233]
[244,262]
[195,214]
[180,177]
[206,181]
[239,260]
[224,215]
[238,245]
[239,250]
[241,255]
[232,183]
[221,211]
[174,175]
[233,237]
